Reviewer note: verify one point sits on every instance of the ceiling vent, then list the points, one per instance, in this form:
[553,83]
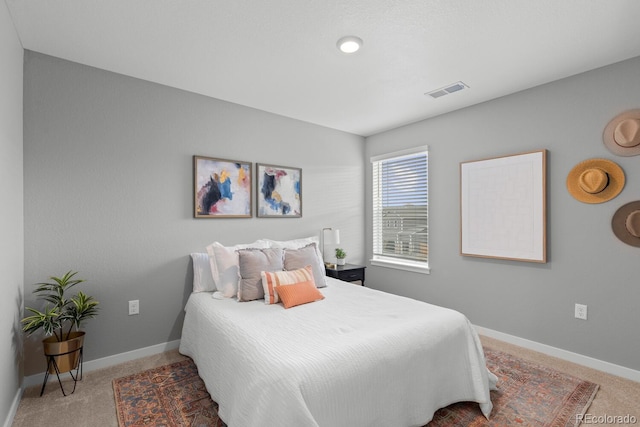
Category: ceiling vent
[455,87]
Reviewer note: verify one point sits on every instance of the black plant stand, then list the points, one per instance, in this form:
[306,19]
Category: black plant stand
[51,361]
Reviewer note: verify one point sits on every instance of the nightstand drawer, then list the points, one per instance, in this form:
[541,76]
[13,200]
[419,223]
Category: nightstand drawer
[347,273]
[351,276]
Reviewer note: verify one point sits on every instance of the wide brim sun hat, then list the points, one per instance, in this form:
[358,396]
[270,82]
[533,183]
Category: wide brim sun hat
[595,180]
[626,223]
[621,136]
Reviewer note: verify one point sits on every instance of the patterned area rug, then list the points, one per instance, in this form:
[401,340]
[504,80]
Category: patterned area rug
[527,395]
[169,396]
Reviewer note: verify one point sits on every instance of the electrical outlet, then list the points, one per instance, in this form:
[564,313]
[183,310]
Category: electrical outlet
[134,307]
[581,311]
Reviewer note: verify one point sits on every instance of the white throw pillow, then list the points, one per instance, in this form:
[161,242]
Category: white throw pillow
[296,244]
[202,277]
[224,264]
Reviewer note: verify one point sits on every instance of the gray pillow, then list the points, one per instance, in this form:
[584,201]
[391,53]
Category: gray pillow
[251,263]
[300,258]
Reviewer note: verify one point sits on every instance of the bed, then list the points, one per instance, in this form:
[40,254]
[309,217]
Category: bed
[358,357]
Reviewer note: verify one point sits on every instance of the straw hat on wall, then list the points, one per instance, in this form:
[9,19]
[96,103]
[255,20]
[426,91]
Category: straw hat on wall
[595,180]
[622,134]
[626,223]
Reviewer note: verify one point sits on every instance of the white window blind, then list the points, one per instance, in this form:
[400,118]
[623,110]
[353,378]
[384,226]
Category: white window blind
[400,208]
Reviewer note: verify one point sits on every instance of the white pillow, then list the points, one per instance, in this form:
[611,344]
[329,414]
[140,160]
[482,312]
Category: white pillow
[224,265]
[297,244]
[202,277]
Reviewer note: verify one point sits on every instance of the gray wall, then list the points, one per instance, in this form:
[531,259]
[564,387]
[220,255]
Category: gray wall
[11,215]
[586,262]
[108,192]
[108,179]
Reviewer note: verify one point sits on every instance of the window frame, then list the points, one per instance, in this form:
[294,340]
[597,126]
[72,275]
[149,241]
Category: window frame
[389,261]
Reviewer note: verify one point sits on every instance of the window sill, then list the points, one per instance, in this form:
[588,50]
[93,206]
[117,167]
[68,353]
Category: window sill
[416,267]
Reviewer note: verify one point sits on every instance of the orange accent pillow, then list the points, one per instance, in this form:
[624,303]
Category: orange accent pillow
[273,279]
[299,293]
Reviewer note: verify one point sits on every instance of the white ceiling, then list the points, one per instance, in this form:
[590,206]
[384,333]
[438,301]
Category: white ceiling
[280,55]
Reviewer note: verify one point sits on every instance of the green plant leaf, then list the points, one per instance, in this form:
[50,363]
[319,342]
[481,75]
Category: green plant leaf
[60,310]
[47,320]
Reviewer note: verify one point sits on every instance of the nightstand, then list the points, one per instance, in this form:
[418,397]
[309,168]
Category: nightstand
[347,272]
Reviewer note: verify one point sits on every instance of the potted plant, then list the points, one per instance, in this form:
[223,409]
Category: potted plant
[340,256]
[60,320]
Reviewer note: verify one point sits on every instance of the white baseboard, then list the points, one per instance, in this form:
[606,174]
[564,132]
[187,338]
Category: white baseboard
[14,408]
[590,362]
[105,362]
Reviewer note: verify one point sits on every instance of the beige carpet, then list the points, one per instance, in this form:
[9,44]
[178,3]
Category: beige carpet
[93,403]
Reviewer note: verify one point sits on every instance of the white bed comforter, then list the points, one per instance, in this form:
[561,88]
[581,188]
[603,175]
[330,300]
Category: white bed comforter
[360,357]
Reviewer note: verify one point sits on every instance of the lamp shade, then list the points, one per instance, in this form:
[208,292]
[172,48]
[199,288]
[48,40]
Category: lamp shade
[332,237]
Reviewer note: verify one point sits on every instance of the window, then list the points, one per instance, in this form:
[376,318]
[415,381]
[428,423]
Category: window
[400,210]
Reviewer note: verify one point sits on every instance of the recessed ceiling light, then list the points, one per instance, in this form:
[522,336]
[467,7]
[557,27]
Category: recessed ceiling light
[349,44]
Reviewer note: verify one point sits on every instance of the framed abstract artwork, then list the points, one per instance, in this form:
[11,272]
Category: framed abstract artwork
[279,191]
[503,207]
[222,188]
